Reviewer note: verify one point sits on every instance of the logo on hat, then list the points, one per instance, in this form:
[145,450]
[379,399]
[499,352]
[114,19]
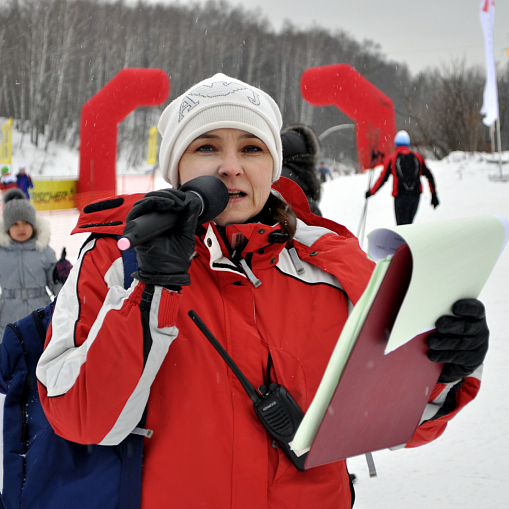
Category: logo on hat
[224,88]
[216,89]
[186,105]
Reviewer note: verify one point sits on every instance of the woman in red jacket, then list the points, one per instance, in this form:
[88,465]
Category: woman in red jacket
[273,283]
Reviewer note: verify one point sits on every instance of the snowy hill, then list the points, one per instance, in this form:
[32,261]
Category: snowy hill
[466,467]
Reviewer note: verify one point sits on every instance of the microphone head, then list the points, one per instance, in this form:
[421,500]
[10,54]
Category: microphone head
[214,195]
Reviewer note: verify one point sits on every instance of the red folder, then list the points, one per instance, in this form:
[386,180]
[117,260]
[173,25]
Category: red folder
[380,398]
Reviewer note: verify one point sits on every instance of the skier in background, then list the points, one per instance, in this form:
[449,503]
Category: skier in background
[324,172]
[24,181]
[406,168]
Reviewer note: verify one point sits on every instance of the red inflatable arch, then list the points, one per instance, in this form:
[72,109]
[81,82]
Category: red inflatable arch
[100,117]
[342,86]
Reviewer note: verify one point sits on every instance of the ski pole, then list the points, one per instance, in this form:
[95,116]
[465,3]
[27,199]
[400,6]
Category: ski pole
[362,224]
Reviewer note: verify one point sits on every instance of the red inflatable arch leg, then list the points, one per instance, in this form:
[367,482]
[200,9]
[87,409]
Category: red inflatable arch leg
[100,117]
[342,86]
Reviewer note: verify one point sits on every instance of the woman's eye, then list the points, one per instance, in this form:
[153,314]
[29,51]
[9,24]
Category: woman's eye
[252,148]
[205,148]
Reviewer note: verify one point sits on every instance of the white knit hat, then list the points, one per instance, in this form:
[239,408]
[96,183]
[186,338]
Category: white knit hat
[217,103]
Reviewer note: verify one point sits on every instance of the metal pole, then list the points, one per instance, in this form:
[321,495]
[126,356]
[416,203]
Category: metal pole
[499,147]
[335,128]
[362,224]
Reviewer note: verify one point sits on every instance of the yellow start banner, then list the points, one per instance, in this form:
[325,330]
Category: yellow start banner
[6,143]
[54,194]
[152,145]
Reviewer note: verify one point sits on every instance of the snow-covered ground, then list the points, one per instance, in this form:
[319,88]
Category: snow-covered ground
[464,468]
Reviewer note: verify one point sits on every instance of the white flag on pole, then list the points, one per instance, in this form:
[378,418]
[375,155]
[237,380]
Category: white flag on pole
[490,96]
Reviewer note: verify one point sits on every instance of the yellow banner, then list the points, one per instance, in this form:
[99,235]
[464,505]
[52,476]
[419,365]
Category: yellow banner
[152,145]
[54,194]
[6,144]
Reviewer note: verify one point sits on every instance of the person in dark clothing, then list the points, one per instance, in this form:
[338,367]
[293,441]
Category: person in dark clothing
[324,172]
[300,150]
[24,181]
[406,168]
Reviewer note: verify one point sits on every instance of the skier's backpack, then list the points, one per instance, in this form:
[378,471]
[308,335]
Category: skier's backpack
[40,469]
[408,171]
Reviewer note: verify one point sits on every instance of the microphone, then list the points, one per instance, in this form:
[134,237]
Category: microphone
[209,190]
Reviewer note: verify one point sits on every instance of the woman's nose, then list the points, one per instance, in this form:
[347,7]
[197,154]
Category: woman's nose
[231,165]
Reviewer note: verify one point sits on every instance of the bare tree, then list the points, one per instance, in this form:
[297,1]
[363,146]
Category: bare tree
[447,111]
[56,54]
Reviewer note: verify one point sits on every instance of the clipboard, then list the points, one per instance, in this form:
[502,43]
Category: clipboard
[380,398]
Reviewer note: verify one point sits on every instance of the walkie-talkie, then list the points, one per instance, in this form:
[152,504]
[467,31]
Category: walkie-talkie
[277,410]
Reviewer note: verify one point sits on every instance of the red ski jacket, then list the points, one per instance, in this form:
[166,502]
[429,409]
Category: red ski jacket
[110,352]
[390,168]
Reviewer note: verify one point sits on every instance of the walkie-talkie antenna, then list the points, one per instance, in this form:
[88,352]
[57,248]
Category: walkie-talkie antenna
[277,410]
[248,386]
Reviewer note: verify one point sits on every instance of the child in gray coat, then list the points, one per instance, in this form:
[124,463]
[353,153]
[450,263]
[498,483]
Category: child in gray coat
[28,265]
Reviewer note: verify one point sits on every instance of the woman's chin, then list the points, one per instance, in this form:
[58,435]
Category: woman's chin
[225,221]
[231,217]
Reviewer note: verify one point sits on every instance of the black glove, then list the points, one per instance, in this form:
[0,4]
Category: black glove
[368,194]
[165,260]
[434,200]
[460,341]
[62,269]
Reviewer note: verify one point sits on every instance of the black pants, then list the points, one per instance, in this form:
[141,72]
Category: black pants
[405,207]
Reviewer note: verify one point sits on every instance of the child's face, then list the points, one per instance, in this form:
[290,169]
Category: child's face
[21,231]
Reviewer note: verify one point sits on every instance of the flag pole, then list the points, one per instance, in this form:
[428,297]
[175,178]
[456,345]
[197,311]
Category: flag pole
[490,106]
[499,143]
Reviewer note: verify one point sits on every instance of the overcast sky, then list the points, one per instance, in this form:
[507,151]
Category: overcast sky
[421,33]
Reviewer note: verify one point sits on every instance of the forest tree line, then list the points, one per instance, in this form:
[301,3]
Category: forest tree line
[56,54]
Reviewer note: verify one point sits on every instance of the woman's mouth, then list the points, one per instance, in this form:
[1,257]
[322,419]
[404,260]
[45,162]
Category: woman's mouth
[236,195]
